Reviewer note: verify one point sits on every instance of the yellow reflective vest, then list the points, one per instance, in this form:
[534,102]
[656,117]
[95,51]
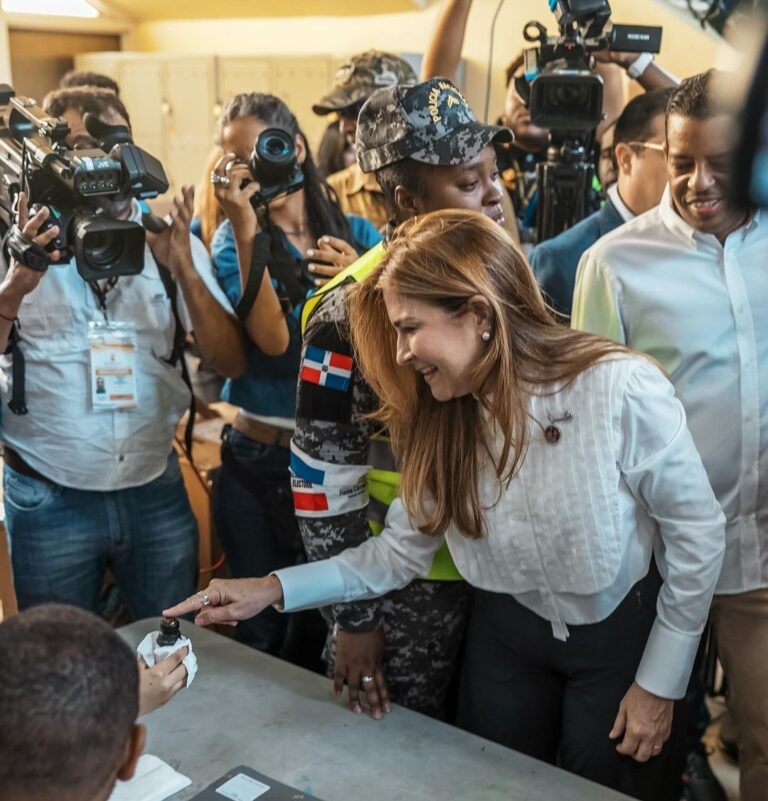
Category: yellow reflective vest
[383,480]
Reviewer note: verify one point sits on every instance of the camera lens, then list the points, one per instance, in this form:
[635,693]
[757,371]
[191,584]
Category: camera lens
[103,248]
[568,95]
[274,158]
[277,147]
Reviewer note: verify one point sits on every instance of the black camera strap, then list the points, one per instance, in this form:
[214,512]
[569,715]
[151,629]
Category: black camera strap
[100,292]
[18,402]
[177,354]
[262,244]
[269,251]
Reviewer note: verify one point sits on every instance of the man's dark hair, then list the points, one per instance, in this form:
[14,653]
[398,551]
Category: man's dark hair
[69,695]
[693,97]
[407,173]
[636,120]
[85,100]
[514,65]
[79,78]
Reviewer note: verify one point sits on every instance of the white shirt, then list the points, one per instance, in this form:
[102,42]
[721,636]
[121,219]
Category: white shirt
[701,310]
[61,437]
[577,527]
[619,204]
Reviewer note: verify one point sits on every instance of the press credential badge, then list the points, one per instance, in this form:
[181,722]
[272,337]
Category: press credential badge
[113,365]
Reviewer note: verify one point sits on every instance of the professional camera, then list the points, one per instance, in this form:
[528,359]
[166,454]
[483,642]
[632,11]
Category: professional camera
[565,95]
[74,184]
[274,165]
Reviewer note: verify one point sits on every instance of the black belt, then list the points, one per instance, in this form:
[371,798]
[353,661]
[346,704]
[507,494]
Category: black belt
[15,462]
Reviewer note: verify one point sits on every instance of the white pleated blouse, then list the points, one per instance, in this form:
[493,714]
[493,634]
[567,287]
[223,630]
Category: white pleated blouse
[578,525]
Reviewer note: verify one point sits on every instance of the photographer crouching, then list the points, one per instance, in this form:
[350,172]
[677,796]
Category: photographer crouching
[93,382]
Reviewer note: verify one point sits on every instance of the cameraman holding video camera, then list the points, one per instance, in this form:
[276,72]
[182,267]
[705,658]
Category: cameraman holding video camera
[519,162]
[92,385]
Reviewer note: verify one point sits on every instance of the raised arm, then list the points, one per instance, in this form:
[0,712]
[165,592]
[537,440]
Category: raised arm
[265,323]
[20,280]
[443,52]
[217,331]
[611,66]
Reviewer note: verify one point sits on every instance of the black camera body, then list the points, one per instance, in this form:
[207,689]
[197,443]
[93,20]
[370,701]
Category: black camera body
[74,184]
[563,93]
[274,166]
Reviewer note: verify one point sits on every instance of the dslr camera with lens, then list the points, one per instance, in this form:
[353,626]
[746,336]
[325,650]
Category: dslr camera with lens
[275,167]
[565,95]
[73,184]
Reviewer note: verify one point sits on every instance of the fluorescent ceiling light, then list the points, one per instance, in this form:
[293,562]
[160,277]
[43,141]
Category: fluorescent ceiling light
[57,8]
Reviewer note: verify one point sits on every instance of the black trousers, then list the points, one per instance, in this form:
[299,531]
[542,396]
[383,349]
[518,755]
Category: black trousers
[557,701]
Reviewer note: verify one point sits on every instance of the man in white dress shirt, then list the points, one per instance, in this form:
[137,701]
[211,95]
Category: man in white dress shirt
[687,283]
[90,478]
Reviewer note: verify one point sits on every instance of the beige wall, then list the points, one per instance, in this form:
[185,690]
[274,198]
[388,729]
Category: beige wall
[40,58]
[5,51]
[686,49]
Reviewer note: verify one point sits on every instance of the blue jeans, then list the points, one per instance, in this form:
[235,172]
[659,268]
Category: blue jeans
[62,540]
[249,536]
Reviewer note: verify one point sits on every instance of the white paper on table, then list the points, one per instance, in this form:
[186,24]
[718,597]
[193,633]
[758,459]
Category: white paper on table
[154,780]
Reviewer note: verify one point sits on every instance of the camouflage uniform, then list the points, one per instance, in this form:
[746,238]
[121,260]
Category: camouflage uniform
[423,623]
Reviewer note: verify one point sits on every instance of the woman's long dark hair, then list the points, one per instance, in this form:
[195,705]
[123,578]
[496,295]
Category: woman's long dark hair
[324,216]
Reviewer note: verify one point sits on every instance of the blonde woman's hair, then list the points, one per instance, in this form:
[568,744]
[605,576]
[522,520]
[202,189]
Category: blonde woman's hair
[207,209]
[444,259]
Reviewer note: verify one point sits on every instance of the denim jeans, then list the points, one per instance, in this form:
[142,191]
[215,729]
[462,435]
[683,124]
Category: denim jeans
[248,469]
[62,541]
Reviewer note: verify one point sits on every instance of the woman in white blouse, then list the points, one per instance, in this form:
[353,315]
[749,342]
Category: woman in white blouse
[558,468]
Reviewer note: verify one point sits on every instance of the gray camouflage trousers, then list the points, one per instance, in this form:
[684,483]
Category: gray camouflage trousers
[424,628]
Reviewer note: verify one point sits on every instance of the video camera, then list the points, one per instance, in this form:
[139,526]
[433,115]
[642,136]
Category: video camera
[73,184]
[274,165]
[565,95]
[563,92]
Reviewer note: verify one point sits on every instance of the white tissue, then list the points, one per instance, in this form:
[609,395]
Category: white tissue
[151,653]
[154,780]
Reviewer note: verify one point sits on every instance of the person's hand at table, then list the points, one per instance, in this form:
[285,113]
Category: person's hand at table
[645,721]
[336,252]
[358,663]
[230,600]
[159,683]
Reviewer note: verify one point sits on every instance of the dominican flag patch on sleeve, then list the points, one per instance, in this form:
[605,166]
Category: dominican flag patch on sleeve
[325,489]
[326,368]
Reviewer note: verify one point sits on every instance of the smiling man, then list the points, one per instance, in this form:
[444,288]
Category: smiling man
[686,283]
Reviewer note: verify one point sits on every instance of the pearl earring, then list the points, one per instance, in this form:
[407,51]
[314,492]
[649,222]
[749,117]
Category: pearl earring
[485,336]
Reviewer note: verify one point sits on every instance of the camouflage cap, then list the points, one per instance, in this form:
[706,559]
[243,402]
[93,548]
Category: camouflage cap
[430,122]
[361,76]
